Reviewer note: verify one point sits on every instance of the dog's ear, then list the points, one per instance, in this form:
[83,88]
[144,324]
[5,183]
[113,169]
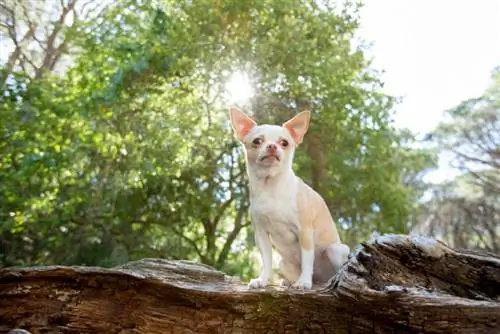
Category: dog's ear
[242,124]
[298,125]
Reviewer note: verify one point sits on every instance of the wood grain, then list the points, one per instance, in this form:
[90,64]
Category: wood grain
[391,284]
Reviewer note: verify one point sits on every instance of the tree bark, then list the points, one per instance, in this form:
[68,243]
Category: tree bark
[390,284]
[319,162]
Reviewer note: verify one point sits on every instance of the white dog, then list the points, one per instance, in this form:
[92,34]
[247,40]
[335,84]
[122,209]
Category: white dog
[285,211]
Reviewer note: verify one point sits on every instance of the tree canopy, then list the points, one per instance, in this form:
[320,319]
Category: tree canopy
[115,136]
[465,211]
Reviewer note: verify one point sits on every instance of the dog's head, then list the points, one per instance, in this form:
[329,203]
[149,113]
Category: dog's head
[269,147]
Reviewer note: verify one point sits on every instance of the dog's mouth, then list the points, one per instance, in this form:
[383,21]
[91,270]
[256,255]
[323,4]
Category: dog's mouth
[270,157]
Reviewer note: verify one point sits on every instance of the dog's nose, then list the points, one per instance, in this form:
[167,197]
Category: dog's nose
[272,147]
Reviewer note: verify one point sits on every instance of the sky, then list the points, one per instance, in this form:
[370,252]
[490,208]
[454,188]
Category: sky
[436,53]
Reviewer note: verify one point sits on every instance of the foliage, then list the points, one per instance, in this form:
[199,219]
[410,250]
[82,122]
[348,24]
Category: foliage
[466,210]
[128,153]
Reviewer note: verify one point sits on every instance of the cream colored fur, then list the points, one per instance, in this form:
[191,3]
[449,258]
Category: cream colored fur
[286,213]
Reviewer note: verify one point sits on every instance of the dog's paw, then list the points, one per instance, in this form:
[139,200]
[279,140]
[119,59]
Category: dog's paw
[302,284]
[258,283]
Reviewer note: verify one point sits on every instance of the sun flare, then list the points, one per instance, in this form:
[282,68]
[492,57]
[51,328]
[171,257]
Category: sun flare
[238,87]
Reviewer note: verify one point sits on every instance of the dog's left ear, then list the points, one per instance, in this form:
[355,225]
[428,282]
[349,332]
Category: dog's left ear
[298,125]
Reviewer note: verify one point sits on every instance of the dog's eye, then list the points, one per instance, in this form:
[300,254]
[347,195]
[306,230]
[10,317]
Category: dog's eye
[257,141]
[284,142]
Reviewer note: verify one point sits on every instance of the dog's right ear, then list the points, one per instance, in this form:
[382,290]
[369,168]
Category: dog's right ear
[242,124]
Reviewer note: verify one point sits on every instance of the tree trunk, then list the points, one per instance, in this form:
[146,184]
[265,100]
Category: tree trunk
[319,162]
[390,284]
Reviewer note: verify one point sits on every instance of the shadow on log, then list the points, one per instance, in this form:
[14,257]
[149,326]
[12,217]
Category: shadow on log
[391,284]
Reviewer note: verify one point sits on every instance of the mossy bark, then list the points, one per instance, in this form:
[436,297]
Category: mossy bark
[391,284]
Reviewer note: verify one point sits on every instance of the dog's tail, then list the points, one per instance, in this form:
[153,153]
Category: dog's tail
[338,254]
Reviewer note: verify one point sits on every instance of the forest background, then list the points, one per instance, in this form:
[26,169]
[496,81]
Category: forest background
[115,142]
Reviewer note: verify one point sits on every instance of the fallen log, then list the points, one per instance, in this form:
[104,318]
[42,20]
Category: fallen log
[390,284]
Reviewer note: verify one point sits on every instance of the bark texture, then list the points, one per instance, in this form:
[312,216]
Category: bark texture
[391,284]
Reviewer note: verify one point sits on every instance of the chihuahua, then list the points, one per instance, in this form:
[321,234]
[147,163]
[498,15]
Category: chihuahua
[285,212]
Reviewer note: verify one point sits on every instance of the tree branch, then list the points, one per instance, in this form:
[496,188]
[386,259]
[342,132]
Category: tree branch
[392,283]
[51,55]
[191,242]
[238,226]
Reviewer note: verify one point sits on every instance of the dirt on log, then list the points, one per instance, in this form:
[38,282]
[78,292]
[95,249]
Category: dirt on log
[390,284]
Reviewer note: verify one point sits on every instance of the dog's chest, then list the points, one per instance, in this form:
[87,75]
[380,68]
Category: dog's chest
[277,214]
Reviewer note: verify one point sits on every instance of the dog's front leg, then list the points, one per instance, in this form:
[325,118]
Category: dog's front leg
[264,245]
[306,239]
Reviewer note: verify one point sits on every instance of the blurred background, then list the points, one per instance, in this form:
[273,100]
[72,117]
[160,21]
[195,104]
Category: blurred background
[115,143]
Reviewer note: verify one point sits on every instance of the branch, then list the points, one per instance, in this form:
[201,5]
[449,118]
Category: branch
[238,226]
[51,53]
[478,232]
[222,210]
[18,46]
[191,242]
